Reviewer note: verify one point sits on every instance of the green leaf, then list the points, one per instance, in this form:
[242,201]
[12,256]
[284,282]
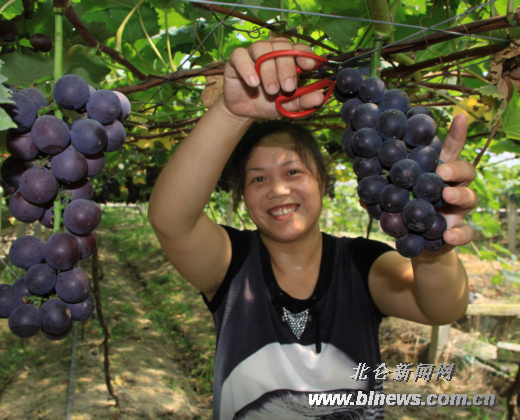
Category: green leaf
[510,118]
[5,121]
[92,69]
[23,69]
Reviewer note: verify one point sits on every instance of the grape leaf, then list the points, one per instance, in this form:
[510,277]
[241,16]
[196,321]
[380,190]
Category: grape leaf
[510,120]
[22,69]
[5,121]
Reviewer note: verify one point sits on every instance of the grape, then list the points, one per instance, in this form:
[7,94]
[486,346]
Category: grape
[73,286]
[429,186]
[420,109]
[40,42]
[71,92]
[82,310]
[421,130]
[26,251]
[435,245]
[369,188]
[426,157]
[436,144]
[348,108]
[366,142]
[405,173]
[82,216]
[410,245]
[395,99]
[126,108]
[8,30]
[394,198]
[61,251]
[341,97]
[348,81]
[436,231]
[365,115]
[372,90]
[24,211]
[391,152]
[40,279]
[12,170]
[392,124]
[69,166]
[104,106]
[87,243]
[61,336]
[95,164]
[50,134]
[88,136]
[21,145]
[418,215]
[116,135]
[25,321]
[392,224]
[364,167]
[38,185]
[56,317]
[347,142]
[375,210]
[36,95]
[9,300]
[82,189]
[22,111]
[20,288]
[47,218]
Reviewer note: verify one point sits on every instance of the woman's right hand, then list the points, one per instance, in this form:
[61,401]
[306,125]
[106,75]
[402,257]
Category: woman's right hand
[248,95]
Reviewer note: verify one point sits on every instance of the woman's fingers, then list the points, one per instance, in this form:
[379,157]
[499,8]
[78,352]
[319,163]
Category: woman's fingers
[240,66]
[459,235]
[463,198]
[454,141]
[278,73]
[457,173]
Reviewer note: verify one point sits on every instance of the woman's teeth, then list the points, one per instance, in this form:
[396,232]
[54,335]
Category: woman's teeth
[283,210]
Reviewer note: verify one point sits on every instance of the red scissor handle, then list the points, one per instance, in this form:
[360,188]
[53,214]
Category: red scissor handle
[285,97]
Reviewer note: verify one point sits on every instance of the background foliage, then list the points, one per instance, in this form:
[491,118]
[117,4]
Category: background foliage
[167,57]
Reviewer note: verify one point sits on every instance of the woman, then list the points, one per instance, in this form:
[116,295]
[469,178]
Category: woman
[296,310]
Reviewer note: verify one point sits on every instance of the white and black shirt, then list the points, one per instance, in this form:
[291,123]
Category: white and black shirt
[273,350]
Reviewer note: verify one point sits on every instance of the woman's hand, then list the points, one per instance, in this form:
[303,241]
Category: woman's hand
[458,175]
[248,95]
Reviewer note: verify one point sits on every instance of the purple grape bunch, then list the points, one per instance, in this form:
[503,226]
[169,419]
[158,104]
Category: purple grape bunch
[49,169]
[395,152]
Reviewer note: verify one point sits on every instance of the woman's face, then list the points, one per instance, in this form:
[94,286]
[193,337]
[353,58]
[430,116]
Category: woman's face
[282,195]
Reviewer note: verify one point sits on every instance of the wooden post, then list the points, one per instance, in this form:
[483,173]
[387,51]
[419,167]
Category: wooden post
[439,338]
[511,226]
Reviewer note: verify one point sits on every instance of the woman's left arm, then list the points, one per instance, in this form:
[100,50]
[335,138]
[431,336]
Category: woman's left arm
[432,288]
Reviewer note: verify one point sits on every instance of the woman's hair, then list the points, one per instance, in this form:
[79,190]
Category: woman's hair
[301,141]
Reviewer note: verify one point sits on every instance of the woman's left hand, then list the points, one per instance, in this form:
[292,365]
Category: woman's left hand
[458,175]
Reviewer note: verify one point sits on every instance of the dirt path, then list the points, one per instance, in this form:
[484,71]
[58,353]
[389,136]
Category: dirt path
[148,381]
[155,372]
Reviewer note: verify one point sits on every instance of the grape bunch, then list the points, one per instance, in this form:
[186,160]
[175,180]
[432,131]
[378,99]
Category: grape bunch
[49,172]
[395,152]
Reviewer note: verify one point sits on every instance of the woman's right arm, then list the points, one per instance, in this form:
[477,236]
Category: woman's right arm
[198,248]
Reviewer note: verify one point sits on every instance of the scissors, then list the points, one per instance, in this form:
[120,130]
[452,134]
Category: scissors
[328,82]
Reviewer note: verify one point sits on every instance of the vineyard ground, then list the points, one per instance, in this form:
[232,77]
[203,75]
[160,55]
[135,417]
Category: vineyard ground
[161,345]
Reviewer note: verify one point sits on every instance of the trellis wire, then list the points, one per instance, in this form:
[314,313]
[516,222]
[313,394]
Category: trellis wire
[211,32]
[405,25]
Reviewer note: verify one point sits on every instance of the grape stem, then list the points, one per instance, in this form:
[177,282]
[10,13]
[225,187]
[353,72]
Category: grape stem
[375,63]
[58,209]
[58,49]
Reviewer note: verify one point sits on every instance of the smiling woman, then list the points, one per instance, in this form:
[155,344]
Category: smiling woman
[296,310]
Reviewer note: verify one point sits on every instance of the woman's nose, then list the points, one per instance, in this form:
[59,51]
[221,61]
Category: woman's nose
[279,188]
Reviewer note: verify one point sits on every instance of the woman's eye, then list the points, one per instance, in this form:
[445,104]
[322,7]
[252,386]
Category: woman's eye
[258,179]
[293,172]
